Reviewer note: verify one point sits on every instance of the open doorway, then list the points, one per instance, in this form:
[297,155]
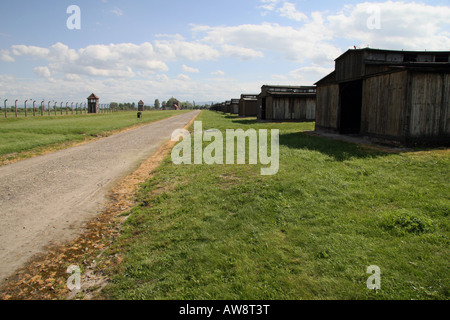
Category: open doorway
[351,106]
[263,109]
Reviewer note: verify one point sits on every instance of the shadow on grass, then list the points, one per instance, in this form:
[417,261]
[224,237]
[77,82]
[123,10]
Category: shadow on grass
[246,122]
[230,116]
[339,150]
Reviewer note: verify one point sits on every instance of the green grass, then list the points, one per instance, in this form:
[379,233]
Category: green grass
[19,135]
[309,232]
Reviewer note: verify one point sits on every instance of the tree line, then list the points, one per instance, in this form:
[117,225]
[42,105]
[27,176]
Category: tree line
[157,105]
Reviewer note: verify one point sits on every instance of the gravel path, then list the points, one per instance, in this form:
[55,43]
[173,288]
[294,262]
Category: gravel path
[45,200]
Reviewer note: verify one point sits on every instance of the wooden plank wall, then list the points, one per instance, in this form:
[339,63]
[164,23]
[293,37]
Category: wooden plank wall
[327,107]
[311,109]
[429,105]
[304,109]
[250,108]
[445,116]
[350,66]
[384,104]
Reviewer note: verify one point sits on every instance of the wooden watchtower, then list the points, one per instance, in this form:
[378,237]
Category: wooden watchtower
[93,103]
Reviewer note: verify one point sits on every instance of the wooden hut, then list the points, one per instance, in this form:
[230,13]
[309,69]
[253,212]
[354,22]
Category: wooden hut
[401,96]
[248,105]
[227,108]
[216,107]
[234,106]
[287,103]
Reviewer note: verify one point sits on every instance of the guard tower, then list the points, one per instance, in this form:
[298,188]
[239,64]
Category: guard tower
[141,105]
[93,103]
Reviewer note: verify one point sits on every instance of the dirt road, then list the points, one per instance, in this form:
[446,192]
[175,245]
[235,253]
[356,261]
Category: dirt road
[46,200]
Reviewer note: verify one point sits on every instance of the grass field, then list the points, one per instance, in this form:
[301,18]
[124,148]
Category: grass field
[22,137]
[309,232]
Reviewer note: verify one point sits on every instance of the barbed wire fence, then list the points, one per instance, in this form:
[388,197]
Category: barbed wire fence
[15,108]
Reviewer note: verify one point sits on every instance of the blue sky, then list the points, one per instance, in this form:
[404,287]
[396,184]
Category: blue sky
[202,50]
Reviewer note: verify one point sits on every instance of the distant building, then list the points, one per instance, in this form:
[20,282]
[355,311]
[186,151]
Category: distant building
[248,105]
[227,107]
[234,106]
[401,96]
[287,103]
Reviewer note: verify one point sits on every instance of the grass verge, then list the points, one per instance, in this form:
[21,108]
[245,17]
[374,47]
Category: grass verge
[26,137]
[309,232]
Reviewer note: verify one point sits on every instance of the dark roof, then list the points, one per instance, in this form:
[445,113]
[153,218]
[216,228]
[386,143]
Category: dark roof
[290,89]
[286,87]
[93,96]
[249,96]
[386,51]
[330,78]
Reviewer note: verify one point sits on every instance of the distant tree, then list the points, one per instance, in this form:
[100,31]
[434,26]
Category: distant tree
[157,104]
[171,102]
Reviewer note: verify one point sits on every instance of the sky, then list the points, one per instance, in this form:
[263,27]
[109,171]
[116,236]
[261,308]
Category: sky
[195,50]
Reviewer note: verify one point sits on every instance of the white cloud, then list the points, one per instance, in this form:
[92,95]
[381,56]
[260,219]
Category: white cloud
[240,52]
[308,42]
[183,77]
[5,55]
[33,51]
[162,77]
[114,60]
[310,75]
[408,26]
[218,73]
[189,69]
[43,72]
[117,11]
[177,49]
[289,11]
[268,5]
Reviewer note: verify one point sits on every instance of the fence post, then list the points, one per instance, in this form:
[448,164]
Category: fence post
[6,113]
[54,107]
[15,107]
[49,108]
[67,112]
[42,108]
[71,107]
[26,114]
[34,108]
